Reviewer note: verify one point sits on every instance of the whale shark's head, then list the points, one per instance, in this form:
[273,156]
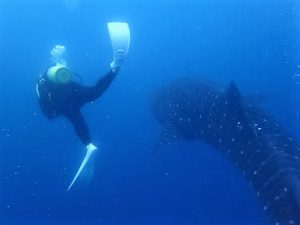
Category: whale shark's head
[187,106]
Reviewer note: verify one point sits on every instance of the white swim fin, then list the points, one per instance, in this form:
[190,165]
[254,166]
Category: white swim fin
[120,39]
[119,35]
[89,157]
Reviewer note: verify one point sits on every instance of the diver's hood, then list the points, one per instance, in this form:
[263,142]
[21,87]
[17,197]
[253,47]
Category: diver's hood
[59,74]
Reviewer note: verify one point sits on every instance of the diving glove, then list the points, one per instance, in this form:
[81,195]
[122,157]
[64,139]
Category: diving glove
[118,60]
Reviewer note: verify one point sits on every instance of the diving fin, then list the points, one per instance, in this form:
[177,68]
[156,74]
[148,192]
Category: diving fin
[120,36]
[89,158]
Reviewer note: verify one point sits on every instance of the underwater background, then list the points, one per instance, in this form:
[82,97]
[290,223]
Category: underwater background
[254,43]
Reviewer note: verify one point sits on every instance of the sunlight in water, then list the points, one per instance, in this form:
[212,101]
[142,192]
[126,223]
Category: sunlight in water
[71,4]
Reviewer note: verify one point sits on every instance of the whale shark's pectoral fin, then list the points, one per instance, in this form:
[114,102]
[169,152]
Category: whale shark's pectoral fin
[167,135]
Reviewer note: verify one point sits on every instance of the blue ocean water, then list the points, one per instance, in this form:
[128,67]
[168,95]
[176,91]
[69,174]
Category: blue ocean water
[254,43]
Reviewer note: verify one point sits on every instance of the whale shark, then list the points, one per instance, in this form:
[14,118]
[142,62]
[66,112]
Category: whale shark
[260,147]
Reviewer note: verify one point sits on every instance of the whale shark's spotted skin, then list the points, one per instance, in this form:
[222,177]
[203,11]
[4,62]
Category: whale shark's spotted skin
[263,151]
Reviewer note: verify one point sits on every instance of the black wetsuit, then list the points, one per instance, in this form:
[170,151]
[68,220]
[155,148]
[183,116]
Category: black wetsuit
[67,99]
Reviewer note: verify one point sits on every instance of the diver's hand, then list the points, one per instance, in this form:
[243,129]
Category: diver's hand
[118,60]
[91,147]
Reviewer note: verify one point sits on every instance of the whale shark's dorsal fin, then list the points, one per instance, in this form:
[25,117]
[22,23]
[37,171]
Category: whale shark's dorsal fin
[232,98]
[232,94]
[233,102]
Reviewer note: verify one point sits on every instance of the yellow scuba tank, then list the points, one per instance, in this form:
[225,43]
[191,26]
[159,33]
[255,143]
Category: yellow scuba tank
[59,74]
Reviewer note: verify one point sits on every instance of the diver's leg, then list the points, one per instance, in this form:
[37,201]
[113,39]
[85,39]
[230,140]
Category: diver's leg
[85,171]
[80,126]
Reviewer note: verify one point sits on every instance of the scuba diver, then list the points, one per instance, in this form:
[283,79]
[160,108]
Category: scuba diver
[59,95]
